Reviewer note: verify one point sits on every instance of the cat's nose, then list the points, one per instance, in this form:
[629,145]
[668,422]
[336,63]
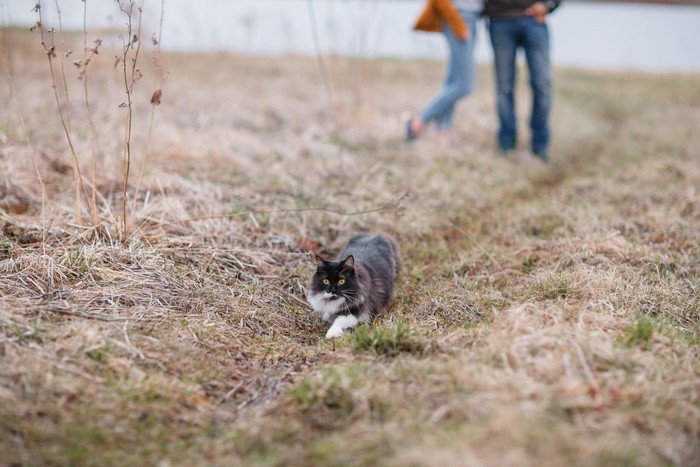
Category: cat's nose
[334,289]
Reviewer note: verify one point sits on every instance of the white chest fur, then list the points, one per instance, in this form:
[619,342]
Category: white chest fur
[323,306]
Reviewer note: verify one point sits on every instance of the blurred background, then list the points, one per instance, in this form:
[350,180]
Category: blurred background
[657,37]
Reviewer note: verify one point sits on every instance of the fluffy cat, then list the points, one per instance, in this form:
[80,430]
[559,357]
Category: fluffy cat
[358,285]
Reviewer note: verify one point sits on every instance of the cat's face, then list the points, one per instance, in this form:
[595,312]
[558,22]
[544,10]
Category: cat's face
[335,279]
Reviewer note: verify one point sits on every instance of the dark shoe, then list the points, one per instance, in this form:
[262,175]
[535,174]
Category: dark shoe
[540,153]
[410,134]
[507,149]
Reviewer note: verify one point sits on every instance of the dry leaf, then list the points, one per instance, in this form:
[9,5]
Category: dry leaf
[155,98]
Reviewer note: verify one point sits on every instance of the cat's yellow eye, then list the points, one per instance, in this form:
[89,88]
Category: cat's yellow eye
[326,282]
[341,282]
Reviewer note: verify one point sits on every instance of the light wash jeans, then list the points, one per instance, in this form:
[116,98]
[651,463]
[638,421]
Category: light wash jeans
[460,75]
[507,35]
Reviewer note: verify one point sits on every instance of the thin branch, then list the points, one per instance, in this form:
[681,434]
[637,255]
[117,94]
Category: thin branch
[156,94]
[25,133]
[93,132]
[63,70]
[133,39]
[387,207]
[478,245]
[51,54]
[322,64]
[78,314]
[6,48]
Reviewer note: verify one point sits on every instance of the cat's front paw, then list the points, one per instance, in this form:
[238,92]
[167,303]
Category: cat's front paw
[334,332]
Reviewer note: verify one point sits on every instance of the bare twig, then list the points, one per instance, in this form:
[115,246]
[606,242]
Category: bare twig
[131,42]
[477,244]
[78,314]
[93,132]
[322,66]
[387,207]
[25,133]
[595,387]
[50,51]
[63,70]
[156,94]
[6,51]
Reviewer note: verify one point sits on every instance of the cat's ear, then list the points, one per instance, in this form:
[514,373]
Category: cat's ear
[349,262]
[320,263]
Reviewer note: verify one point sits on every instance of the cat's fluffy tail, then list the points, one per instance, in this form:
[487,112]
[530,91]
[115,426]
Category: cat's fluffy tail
[396,256]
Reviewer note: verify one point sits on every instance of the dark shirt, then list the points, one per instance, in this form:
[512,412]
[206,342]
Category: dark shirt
[514,8]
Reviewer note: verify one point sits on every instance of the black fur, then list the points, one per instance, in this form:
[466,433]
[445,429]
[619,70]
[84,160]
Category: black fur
[369,266]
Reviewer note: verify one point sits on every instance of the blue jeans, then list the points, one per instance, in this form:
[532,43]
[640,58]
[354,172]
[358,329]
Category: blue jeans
[460,76]
[507,35]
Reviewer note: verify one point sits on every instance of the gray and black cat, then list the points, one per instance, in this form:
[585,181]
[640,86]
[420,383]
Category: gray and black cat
[358,285]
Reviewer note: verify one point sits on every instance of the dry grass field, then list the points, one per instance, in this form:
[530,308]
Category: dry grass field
[545,315]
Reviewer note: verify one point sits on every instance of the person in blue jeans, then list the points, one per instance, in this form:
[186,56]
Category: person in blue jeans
[515,24]
[459,82]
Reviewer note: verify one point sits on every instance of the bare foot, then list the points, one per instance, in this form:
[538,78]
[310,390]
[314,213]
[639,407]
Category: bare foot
[417,125]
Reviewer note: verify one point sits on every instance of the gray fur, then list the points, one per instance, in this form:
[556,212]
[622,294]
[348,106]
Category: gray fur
[369,265]
[377,266]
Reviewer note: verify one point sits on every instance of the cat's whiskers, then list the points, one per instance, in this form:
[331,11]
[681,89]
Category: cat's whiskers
[363,281]
[352,299]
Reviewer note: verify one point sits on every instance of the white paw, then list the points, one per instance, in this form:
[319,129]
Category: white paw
[334,332]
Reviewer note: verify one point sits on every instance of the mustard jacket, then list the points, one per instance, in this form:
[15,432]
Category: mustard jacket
[435,12]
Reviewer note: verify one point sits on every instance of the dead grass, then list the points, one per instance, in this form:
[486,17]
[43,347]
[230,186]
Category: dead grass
[545,316]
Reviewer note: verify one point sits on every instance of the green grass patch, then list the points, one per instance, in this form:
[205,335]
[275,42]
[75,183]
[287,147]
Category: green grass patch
[552,288]
[331,388]
[640,332]
[100,354]
[528,265]
[390,342]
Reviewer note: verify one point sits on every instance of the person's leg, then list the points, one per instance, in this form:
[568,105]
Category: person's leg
[504,40]
[459,81]
[462,75]
[436,108]
[536,44]
[443,118]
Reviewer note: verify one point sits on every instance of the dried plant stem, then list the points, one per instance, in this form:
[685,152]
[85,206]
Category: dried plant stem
[156,92]
[130,79]
[63,71]
[6,49]
[50,54]
[25,133]
[477,244]
[396,205]
[322,66]
[148,138]
[93,131]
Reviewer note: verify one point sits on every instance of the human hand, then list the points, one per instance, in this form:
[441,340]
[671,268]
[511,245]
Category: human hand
[538,11]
